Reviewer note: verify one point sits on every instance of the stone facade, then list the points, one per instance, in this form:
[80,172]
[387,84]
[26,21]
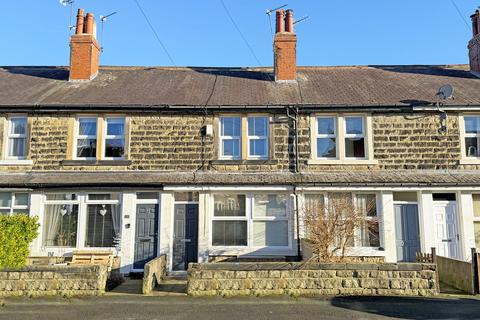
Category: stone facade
[174,143]
[50,281]
[312,279]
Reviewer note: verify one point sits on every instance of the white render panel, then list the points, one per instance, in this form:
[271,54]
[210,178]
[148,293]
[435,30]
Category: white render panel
[426,220]
[387,226]
[166,226]
[127,244]
[203,226]
[467,233]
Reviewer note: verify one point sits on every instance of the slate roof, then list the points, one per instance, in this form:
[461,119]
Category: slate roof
[159,86]
[124,179]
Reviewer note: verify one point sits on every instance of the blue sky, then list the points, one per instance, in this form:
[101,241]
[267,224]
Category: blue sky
[199,33]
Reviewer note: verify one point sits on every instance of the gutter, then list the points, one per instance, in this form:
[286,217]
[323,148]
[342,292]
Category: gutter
[59,108]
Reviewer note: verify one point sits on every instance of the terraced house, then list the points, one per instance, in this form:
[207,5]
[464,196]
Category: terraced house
[206,163]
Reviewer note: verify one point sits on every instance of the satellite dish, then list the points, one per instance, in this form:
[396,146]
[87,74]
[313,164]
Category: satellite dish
[445,92]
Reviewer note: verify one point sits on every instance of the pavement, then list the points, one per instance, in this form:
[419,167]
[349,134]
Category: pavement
[133,307]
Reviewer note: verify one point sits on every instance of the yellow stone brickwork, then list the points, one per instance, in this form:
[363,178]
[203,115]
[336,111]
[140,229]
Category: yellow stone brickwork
[175,143]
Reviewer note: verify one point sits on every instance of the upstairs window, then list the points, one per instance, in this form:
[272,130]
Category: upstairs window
[230,137]
[17,138]
[354,137]
[244,137]
[86,138]
[341,138]
[99,138]
[326,138]
[258,137]
[115,138]
[472,136]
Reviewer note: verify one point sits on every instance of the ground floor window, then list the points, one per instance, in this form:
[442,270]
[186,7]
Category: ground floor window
[342,219]
[60,220]
[98,214]
[14,203]
[250,220]
[103,220]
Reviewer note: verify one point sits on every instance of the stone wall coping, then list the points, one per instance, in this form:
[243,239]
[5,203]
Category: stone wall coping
[62,268]
[244,266]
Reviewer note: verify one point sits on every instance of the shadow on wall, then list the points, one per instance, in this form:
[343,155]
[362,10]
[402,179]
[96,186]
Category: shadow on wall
[52,73]
[444,71]
[411,308]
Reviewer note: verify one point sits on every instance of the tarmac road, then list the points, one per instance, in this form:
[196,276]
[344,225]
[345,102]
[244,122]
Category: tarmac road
[139,307]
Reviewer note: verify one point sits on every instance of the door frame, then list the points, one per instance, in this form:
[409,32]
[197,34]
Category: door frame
[457,222]
[137,201]
[420,231]
[172,227]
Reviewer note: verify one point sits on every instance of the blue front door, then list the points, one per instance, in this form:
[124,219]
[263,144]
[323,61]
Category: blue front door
[407,232]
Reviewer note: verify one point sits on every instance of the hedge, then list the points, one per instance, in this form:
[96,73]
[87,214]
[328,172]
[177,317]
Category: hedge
[16,234]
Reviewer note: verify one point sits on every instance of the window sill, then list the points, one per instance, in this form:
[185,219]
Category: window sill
[470,161]
[96,163]
[244,162]
[342,162]
[16,162]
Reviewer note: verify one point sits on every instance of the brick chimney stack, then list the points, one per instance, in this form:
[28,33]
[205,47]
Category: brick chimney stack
[474,44]
[84,49]
[285,48]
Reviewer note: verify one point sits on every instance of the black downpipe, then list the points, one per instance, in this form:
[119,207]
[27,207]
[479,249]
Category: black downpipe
[294,120]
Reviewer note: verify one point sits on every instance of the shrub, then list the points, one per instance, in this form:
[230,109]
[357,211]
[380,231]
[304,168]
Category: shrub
[16,234]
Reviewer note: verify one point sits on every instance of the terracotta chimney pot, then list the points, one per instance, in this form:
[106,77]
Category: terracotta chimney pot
[80,22]
[280,21]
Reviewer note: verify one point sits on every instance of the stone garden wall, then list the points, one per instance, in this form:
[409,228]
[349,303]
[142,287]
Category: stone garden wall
[235,279]
[153,273]
[55,280]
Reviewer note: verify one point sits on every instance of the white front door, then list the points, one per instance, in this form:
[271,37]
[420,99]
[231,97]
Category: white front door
[446,229]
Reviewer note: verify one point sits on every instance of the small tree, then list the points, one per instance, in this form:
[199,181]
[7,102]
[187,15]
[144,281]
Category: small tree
[333,223]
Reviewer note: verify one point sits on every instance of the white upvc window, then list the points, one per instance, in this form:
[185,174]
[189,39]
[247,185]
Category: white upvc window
[114,146]
[14,203]
[60,220]
[355,137]
[244,137]
[326,138]
[471,137]
[17,138]
[257,137]
[86,138]
[81,220]
[231,138]
[255,221]
[367,235]
[341,139]
[270,221]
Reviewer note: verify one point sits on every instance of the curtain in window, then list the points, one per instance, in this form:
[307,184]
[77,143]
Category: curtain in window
[53,218]
[100,228]
[117,226]
[369,233]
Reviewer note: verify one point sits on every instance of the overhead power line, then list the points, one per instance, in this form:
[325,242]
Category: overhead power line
[241,33]
[460,13]
[155,33]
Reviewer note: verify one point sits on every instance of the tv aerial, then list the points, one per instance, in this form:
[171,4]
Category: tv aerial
[103,19]
[65,3]
[270,11]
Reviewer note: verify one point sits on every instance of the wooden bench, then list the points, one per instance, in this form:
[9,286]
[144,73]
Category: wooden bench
[103,257]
